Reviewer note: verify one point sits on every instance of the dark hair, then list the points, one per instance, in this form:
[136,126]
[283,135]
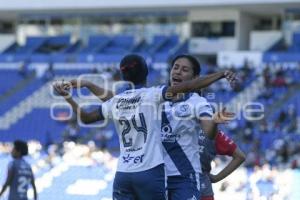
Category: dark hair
[134,68]
[195,63]
[21,147]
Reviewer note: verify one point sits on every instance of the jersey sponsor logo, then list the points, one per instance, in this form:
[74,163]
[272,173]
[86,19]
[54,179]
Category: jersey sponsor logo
[133,150]
[128,103]
[169,137]
[134,159]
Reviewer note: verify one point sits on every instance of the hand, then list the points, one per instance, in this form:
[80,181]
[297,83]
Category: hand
[223,117]
[63,88]
[230,77]
[213,178]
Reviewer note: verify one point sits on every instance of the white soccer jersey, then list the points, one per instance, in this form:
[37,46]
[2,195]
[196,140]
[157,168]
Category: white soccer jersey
[136,118]
[180,130]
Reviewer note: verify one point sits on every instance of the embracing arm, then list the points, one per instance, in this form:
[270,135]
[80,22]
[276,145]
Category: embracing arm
[85,117]
[101,93]
[198,83]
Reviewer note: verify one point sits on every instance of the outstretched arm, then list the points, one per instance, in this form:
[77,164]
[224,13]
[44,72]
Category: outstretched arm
[238,157]
[85,117]
[101,93]
[195,84]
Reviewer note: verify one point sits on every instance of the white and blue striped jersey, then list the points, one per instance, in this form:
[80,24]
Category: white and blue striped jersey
[180,130]
[137,121]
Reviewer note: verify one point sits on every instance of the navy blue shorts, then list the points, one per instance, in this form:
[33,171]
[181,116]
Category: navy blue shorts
[144,185]
[184,187]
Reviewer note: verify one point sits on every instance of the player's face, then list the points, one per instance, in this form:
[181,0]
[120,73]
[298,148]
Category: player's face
[14,153]
[182,70]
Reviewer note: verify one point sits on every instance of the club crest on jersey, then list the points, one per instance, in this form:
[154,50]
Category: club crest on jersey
[183,110]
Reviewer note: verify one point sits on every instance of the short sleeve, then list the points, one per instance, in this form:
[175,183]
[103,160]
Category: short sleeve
[224,145]
[158,94]
[105,109]
[10,166]
[202,107]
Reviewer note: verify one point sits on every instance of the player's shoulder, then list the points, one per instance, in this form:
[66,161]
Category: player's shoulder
[157,87]
[197,97]
[13,163]
[152,91]
[199,101]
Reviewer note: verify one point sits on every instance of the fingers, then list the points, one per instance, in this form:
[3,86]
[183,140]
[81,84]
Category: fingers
[61,88]
[67,85]
[224,116]
[230,77]
[224,110]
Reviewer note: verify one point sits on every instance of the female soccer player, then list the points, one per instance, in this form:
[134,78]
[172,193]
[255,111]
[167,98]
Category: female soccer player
[19,175]
[221,145]
[140,172]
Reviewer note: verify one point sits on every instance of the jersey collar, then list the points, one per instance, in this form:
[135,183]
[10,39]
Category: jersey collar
[183,98]
[137,86]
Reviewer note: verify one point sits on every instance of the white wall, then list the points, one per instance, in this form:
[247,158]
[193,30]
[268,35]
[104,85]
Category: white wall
[212,46]
[202,45]
[237,59]
[262,40]
[289,27]
[244,26]
[6,40]
[213,14]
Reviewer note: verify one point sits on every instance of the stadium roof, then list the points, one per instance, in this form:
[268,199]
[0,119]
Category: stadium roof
[13,8]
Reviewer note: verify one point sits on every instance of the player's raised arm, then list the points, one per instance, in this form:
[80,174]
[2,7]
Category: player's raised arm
[101,93]
[198,83]
[85,117]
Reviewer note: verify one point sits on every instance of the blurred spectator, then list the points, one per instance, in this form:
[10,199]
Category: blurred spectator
[280,120]
[23,69]
[267,76]
[280,80]
[72,132]
[49,75]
